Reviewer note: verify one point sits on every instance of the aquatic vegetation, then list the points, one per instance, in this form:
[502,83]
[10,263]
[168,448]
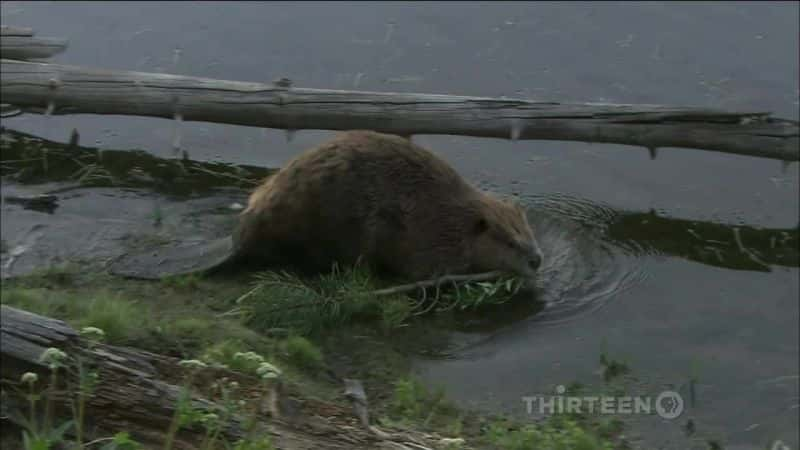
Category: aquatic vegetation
[309,306]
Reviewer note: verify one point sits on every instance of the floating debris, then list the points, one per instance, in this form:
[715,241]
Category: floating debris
[41,202]
[357,79]
[7,111]
[176,58]
[282,83]
[389,32]
[404,79]
[177,133]
[74,138]
[517,127]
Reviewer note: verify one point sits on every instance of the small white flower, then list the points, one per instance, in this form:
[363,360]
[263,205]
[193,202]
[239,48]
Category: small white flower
[234,385]
[29,377]
[249,356]
[452,442]
[53,357]
[93,333]
[266,371]
[192,364]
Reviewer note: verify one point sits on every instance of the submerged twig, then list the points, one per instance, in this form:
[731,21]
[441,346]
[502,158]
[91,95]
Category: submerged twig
[485,276]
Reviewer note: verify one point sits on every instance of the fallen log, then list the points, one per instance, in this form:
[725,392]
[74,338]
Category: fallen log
[137,392]
[6,30]
[62,89]
[20,43]
[130,395]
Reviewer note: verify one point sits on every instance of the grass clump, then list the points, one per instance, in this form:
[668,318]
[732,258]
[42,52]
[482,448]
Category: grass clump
[54,276]
[612,368]
[263,443]
[202,333]
[303,353]
[412,404]
[122,320]
[556,433]
[32,300]
[185,282]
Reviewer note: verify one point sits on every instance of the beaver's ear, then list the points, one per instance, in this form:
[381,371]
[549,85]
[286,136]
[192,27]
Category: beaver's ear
[481,225]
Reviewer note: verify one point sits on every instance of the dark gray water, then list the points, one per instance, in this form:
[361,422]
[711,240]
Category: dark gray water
[672,294]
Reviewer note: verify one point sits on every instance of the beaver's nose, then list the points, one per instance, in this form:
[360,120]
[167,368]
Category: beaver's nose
[535,261]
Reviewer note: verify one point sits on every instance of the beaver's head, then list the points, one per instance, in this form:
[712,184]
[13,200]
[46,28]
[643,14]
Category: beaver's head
[504,239]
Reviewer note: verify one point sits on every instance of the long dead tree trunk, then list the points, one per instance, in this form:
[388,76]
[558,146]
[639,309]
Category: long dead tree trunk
[20,43]
[62,89]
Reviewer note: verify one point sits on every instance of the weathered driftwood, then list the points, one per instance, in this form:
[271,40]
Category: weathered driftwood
[20,43]
[137,392]
[62,89]
[6,30]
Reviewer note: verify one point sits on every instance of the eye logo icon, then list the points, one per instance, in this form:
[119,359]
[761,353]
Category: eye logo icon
[669,405]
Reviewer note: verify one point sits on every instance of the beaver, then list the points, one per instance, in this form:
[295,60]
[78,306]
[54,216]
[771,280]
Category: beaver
[371,198]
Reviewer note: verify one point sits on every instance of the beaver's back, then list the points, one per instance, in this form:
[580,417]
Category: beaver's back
[339,199]
[358,163]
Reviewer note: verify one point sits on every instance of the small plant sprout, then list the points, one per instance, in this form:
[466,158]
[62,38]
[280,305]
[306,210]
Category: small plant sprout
[53,357]
[267,371]
[249,356]
[269,375]
[185,413]
[29,378]
[87,380]
[250,361]
[211,423]
[192,364]
[93,333]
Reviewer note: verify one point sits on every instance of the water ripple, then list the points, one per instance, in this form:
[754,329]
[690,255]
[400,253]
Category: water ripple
[583,270]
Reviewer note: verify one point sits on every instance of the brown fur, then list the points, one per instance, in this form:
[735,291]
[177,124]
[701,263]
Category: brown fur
[387,202]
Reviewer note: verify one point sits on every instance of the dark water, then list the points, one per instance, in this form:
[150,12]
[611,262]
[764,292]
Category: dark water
[685,266]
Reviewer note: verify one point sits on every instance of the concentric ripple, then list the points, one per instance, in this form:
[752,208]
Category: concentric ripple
[582,270]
